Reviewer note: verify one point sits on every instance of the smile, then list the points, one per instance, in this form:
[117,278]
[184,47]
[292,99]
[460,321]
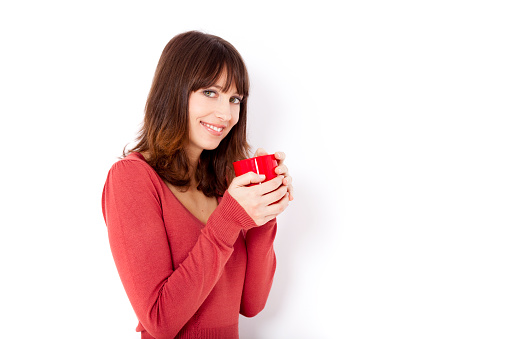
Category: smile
[217,129]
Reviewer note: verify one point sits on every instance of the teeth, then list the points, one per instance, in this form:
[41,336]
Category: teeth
[217,129]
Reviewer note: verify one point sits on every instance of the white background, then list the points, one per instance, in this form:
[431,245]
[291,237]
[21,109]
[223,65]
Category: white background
[394,119]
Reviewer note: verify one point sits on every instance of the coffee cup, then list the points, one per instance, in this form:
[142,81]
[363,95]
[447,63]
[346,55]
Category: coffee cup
[264,164]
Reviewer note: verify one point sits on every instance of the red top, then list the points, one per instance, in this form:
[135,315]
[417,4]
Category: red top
[183,278]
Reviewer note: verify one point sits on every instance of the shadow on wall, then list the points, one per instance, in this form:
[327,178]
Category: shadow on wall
[302,234]
[299,234]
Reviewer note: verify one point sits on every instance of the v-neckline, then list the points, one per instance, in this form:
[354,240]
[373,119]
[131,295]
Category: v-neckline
[218,198]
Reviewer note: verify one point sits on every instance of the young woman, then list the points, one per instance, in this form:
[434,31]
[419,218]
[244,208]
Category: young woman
[193,245]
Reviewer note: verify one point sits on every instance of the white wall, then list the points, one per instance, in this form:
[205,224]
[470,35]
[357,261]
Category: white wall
[394,119]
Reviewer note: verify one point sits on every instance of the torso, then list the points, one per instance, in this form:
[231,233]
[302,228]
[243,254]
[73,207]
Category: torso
[195,202]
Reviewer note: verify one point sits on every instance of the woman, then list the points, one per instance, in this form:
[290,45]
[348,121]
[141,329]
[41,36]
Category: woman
[192,244]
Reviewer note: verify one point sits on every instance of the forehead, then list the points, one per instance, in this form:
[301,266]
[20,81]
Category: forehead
[224,84]
[228,79]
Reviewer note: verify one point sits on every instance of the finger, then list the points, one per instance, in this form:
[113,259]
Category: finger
[270,185]
[248,178]
[287,180]
[281,169]
[274,196]
[279,207]
[280,156]
[260,151]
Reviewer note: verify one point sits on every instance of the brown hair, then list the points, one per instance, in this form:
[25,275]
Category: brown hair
[191,61]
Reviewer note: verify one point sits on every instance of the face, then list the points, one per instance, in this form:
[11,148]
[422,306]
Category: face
[212,114]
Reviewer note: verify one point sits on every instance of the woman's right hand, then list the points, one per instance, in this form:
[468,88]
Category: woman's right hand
[262,202]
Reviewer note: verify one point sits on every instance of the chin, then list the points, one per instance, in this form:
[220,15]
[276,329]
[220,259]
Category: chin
[209,147]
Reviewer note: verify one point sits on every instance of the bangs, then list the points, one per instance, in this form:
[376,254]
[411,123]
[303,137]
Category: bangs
[220,59]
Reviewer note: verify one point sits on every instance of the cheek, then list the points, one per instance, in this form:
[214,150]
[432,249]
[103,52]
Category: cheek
[235,116]
[233,121]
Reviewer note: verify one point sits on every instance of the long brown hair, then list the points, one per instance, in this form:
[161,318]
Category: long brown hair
[191,61]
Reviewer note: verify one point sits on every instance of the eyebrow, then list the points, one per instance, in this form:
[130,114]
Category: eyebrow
[222,89]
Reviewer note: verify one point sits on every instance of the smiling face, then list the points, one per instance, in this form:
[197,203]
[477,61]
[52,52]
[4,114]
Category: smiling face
[213,111]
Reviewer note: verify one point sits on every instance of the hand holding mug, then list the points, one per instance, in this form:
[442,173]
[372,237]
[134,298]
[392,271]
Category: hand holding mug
[280,169]
[263,200]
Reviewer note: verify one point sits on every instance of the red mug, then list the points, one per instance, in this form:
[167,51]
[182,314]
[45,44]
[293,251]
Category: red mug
[264,164]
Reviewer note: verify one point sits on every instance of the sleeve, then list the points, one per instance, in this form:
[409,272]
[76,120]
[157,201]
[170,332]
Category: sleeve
[261,266]
[163,298]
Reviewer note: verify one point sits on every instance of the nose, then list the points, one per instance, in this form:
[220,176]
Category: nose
[222,110]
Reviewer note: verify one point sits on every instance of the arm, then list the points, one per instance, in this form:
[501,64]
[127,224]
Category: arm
[274,196]
[164,298]
[261,265]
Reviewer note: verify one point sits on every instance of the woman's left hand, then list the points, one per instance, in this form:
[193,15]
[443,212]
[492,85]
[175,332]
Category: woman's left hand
[281,169]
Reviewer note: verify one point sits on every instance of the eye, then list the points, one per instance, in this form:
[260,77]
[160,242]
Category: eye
[209,93]
[235,100]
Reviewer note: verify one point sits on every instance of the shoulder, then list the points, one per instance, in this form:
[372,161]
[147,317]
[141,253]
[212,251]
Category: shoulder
[130,165]
[132,171]
[132,188]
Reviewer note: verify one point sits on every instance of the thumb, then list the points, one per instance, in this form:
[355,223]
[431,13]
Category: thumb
[260,152]
[249,178]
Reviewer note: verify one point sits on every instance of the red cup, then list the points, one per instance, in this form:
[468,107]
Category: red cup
[264,164]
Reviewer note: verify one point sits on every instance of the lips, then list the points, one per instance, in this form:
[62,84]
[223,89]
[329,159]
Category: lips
[217,128]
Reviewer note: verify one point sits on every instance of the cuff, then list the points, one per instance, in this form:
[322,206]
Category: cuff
[228,219]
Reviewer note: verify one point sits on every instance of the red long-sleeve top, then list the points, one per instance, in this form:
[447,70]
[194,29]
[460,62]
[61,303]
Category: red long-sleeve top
[184,279]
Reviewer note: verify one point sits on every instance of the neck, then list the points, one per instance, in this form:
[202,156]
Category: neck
[193,164]
[194,158]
